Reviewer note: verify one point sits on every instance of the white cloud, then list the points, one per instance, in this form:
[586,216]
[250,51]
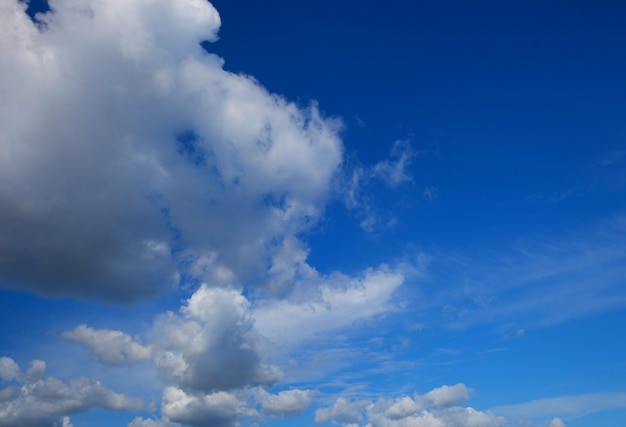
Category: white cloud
[149,422]
[9,370]
[341,301]
[110,347]
[205,410]
[393,171]
[212,345]
[42,400]
[557,422]
[404,407]
[448,395]
[357,186]
[286,404]
[434,409]
[122,138]
[342,411]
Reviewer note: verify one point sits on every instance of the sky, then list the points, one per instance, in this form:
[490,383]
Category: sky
[330,213]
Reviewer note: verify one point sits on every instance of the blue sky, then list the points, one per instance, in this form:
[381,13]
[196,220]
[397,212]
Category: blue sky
[341,213]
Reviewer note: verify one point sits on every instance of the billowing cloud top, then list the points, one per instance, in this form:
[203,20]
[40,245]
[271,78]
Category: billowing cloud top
[130,157]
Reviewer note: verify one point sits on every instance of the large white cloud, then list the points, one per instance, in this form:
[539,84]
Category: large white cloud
[129,155]
[41,400]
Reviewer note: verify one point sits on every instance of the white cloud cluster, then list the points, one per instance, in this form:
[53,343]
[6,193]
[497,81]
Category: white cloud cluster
[212,358]
[437,408]
[149,422]
[35,399]
[110,347]
[219,409]
[225,408]
[131,156]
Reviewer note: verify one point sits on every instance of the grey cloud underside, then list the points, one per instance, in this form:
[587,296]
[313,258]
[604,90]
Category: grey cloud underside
[131,156]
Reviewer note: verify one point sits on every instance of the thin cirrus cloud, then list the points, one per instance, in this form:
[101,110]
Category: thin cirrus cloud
[574,406]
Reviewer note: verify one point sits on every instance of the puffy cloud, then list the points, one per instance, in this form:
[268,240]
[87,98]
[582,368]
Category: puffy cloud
[148,422]
[288,403]
[342,411]
[434,409]
[110,347]
[131,156]
[42,400]
[212,345]
[404,407]
[8,369]
[448,395]
[220,409]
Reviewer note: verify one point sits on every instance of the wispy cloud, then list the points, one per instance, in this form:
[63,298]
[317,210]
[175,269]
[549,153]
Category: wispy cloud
[540,282]
[564,406]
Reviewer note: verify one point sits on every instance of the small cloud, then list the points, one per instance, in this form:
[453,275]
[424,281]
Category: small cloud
[557,422]
[393,171]
[110,347]
[430,192]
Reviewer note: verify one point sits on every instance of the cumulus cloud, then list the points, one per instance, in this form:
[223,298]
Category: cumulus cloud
[41,400]
[110,347]
[131,157]
[149,422]
[286,404]
[214,356]
[9,370]
[219,409]
[434,409]
[448,395]
[212,344]
[342,411]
